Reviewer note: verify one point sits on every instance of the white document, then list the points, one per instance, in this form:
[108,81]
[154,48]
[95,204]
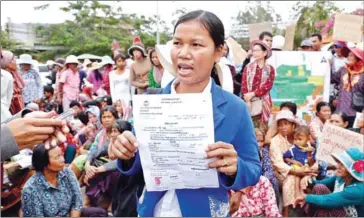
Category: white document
[173,132]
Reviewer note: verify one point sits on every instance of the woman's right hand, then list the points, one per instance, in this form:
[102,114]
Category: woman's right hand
[125,146]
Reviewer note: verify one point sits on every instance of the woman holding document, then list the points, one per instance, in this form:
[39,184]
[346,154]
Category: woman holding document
[197,45]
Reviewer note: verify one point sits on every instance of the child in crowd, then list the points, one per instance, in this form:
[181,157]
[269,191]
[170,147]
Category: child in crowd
[48,102]
[255,201]
[301,154]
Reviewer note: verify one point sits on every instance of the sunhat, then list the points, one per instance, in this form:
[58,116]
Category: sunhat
[86,62]
[137,44]
[25,59]
[353,160]
[359,53]
[259,42]
[50,63]
[278,42]
[285,115]
[94,66]
[306,43]
[106,60]
[71,59]
[59,62]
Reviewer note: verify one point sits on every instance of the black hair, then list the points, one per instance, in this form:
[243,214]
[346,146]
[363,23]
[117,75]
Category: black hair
[150,56]
[208,20]
[48,89]
[110,109]
[318,35]
[343,116]
[265,33]
[292,106]
[83,117]
[40,158]
[121,125]
[106,99]
[87,104]
[98,75]
[75,103]
[119,55]
[212,24]
[320,105]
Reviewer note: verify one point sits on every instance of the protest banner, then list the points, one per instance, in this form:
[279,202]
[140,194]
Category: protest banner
[289,37]
[348,27]
[239,54]
[255,29]
[335,139]
[302,78]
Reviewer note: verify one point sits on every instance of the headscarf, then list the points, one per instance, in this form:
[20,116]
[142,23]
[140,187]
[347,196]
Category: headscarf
[6,58]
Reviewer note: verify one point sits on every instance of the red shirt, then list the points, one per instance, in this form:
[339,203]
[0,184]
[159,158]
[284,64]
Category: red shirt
[258,88]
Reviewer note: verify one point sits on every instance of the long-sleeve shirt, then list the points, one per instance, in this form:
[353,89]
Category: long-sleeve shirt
[351,195]
[33,86]
[259,88]
[316,127]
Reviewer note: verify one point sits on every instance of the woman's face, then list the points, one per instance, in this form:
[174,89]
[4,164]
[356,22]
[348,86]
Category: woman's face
[56,160]
[118,107]
[351,58]
[324,113]
[92,118]
[260,140]
[137,54]
[25,67]
[193,53]
[258,52]
[12,66]
[120,63]
[114,133]
[225,50]
[337,120]
[285,128]
[155,59]
[341,171]
[73,67]
[107,118]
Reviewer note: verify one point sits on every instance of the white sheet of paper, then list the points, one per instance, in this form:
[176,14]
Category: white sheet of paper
[173,132]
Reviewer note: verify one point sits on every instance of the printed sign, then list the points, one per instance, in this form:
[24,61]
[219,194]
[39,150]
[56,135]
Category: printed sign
[348,27]
[336,140]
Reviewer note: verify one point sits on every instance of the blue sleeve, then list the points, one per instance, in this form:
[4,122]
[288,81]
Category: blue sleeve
[351,196]
[245,144]
[32,205]
[329,182]
[288,154]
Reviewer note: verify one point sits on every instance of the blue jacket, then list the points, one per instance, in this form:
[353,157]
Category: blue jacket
[233,125]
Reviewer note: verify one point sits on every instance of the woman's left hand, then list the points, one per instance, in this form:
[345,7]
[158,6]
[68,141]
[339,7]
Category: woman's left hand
[227,158]
[300,201]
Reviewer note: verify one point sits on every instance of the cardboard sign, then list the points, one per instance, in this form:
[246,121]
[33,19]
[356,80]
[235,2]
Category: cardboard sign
[256,29]
[336,140]
[348,27]
[289,37]
[239,54]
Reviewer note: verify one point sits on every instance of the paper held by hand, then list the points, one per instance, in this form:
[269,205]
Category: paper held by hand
[255,29]
[239,54]
[348,27]
[173,134]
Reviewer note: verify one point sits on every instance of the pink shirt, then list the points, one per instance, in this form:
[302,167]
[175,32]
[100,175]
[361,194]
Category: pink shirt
[259,200]
[71,81]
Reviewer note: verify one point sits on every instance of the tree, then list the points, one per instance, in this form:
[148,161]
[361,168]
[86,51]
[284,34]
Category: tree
[96,25]
[256,12]
[8,43]
[308,16]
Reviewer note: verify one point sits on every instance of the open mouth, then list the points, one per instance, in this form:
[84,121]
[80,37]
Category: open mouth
[184,69]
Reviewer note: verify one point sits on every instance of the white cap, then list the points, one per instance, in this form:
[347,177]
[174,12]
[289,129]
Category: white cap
[71,59]
[25,59]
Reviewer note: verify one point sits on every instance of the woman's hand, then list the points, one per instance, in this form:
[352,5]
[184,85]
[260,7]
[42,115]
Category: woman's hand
[234,201]
[300,201]
[301,172]
[125,146]
[227,158]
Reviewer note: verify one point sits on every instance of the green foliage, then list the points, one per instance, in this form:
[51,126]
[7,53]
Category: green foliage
[96,25]
[8,43]
[308,16]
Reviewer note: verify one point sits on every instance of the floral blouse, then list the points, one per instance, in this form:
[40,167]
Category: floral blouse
[259,200]
[316,127]
[267,169]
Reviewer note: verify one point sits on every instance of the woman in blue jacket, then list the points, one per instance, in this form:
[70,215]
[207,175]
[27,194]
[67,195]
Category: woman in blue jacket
[197,45]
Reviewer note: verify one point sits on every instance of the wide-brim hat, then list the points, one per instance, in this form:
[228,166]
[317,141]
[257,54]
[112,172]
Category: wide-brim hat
[106,60]
[138,46]
[71,59]
[278,42]
[353,161]
[86,62]
[164,57]
[95,66]
[359,53]
[306,43]
[285,115]
[25,59]
[259,42]
[59,62]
